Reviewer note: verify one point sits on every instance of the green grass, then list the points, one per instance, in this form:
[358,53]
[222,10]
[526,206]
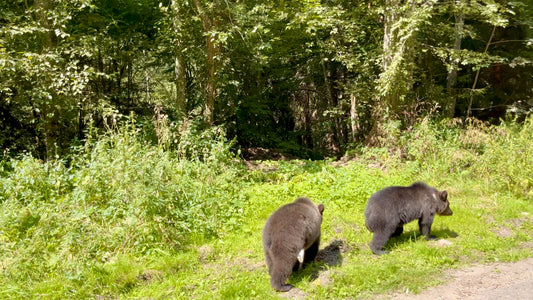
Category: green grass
[233,266]
[129,220]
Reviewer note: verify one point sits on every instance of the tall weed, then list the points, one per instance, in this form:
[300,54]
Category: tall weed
[500,154]
[116,195]
[158,197]
[508,159]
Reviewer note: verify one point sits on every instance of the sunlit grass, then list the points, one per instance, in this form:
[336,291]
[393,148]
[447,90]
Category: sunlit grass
[78,232]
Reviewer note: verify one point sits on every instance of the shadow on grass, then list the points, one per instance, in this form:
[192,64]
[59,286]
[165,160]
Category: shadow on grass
[327,257]
[408,236]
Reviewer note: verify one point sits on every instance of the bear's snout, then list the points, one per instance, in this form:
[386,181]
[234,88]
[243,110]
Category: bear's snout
[447,212]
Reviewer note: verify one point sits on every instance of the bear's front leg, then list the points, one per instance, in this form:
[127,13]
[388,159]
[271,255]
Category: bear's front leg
[424,224]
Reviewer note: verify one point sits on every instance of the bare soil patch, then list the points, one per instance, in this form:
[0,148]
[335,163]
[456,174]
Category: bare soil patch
[488,281]
[260,154]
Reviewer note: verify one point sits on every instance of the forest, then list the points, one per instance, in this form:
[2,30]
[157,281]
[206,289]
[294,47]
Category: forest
[145,143]
[308,78]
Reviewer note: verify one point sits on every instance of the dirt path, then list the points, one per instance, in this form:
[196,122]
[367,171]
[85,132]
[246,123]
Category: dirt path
[491,281]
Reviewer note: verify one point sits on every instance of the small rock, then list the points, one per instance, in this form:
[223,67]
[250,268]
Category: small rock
[443,243]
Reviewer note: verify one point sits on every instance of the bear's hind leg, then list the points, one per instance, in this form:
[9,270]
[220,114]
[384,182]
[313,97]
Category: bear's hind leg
[379,240]
[398,231]
[268,262]
[296,266]
[279,274]
[311,253]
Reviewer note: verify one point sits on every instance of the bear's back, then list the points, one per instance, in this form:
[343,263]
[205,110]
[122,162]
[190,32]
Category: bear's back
[300,219]
[293,214]
[399,200]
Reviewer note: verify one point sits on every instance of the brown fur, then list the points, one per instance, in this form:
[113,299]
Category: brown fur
[392,207]
[287,231]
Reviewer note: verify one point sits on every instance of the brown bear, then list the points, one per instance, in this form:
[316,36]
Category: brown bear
[292,229]
[392,207]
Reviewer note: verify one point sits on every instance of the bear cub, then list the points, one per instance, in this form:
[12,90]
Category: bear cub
[292,230]
[392,207]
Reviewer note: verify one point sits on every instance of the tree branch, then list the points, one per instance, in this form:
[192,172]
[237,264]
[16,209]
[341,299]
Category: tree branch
[507,41]
[469,111]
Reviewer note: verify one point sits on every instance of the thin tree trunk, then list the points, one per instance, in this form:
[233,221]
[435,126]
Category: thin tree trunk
[354,117]
[147,79]
[451,78]
[211,80]
[181,98]
[179,67]
[308,135]
[129,84]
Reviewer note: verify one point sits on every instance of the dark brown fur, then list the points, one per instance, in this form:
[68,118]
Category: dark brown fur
[392,207]
[287,231]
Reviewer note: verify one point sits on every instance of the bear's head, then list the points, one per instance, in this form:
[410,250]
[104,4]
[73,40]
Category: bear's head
[444,206]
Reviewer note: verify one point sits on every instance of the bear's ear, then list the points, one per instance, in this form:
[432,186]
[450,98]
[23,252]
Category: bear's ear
[321,208]
[443,195]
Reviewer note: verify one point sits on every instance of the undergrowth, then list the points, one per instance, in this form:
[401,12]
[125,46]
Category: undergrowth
[124,218]
[117,195]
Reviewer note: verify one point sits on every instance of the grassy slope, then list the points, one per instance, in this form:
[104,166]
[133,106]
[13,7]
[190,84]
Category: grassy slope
[83,233]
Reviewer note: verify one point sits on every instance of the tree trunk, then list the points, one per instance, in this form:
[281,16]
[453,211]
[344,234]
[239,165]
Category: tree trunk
[308,135]
[212,52]
[147,90]
[333,106]
[388,20]
[179,67]
[181,83]
[451,78]
[211,80]
[48,113]
[392,51]
[354,118]
[380,111]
